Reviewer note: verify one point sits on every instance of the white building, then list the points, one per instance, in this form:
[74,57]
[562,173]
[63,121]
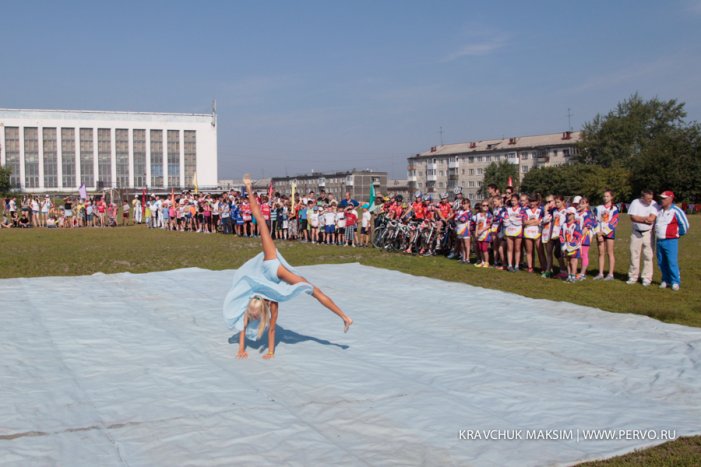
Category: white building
[446,167]
[58,150]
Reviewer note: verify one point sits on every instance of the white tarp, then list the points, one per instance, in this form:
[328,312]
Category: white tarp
[131,369]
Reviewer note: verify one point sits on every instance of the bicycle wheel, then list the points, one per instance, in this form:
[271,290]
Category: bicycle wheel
[378,239]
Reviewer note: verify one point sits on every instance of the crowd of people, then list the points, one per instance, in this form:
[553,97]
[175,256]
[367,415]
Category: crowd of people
[69,212]
[507,231]
[512,231]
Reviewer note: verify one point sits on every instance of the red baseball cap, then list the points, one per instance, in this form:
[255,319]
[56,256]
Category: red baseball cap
[667,194]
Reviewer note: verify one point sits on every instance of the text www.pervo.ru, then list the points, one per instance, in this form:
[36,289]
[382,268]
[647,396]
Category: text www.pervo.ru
[568,435]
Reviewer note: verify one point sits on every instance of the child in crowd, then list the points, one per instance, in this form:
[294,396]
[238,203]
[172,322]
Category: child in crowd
[571,243]
[554,248]
[607,221]
[314,222]
[351,223]
[533,216]
[125,212]
[483,234]
[365,228]
[330,225]
[513,226]
[462,230]
[587,223]
[498,216]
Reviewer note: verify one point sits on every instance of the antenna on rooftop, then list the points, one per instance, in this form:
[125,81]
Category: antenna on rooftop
[441,133]
[214,112]
[569,118]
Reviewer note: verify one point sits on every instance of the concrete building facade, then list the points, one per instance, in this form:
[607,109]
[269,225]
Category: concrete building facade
[462,165]
[58,150]
[357,182]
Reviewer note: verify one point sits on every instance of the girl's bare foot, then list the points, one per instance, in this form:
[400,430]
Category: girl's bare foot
[347,324]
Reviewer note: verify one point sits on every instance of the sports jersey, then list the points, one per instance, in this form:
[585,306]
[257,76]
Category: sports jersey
[607,219]
[533,231]
[571,238]
[513,221]
[418,210]
[445,209]
[483,223]
[546,226]
[559,219]
[396,210]
[498,216]
[587,223]
[462,219]
[671,223]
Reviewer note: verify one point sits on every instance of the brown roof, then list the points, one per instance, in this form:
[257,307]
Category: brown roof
[505,144]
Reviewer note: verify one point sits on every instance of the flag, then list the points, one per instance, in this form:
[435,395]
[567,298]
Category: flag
[510,183]
[270,190]
[292,201]
[83,192]
[143,203]
[194,181]
[172,196]
[372,195]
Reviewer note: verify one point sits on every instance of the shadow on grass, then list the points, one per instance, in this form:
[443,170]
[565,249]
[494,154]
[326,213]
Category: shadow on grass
[284,336]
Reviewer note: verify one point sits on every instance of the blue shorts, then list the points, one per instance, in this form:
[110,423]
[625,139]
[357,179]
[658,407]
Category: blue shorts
[329,229]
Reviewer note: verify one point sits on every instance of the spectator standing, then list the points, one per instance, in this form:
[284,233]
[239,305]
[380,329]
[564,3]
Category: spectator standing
[642,212]
[671,223]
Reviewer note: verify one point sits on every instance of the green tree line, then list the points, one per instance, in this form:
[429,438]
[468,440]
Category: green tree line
[641,144]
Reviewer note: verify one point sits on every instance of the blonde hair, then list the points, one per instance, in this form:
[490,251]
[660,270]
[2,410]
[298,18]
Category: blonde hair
[258,305]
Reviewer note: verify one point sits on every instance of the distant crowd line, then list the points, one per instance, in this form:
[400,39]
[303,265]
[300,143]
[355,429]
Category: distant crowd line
[508,231]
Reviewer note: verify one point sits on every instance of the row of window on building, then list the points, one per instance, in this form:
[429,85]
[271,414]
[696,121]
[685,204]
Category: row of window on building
[82,151]
[488,158]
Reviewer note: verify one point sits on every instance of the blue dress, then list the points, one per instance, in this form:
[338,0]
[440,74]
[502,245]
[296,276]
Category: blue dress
[258,277]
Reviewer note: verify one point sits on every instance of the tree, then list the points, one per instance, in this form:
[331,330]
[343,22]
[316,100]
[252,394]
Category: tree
[498,173]
[5,173]
[652,141]
[578,179]
[621,135]
[671,162]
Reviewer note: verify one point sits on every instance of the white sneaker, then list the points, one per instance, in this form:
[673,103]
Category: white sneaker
[675,287]
[646,283]
[609,278]
[663,285]
[632,281]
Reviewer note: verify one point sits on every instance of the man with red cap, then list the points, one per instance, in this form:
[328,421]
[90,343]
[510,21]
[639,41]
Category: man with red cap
[671,223]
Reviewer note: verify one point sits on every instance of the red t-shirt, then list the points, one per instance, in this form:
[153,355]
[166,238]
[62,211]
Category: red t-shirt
[396,210]
[419,211]
[445,209]
[265,210]
[351,219]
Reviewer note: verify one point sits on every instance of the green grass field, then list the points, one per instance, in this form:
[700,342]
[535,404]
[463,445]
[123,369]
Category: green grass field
[42,252]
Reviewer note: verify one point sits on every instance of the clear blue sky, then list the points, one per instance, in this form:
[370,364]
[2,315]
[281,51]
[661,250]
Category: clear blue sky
[331,85]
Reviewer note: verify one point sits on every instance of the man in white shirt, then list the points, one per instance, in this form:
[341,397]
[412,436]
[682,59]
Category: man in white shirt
[643,212]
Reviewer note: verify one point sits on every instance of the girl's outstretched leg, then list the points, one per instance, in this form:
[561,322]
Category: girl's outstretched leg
[324,299]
